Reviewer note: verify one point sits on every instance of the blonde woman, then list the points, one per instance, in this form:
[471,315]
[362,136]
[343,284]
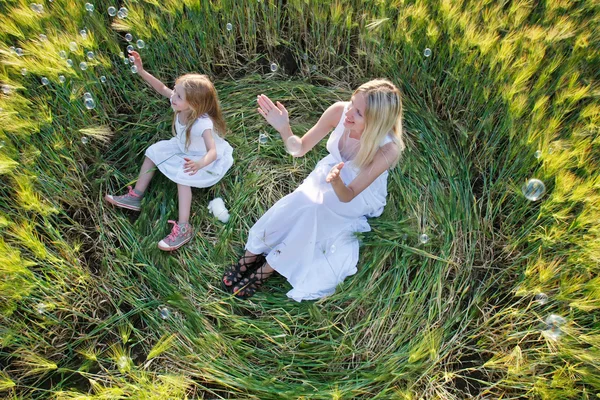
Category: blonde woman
[309,235]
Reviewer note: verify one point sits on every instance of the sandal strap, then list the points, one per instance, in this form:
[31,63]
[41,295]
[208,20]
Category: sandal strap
[250,284]
[235,273]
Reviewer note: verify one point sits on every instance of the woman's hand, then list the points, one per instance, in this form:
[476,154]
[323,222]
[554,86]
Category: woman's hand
[137,60]
[276,116]
[191,166]
[334,174]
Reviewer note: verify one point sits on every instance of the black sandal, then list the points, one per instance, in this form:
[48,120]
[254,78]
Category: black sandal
[235,273]
[249,285]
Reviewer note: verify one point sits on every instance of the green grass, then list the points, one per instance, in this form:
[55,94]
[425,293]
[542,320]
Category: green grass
[82,284]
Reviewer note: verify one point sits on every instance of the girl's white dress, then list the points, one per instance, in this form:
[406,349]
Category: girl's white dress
[309,235]
[168,155]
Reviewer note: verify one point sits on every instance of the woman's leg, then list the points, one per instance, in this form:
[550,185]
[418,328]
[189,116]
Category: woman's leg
[185,203]
[248,262]
[248,286]
[146,173]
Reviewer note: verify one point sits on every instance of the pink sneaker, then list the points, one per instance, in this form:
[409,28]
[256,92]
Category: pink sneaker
[180,235]
[130,201]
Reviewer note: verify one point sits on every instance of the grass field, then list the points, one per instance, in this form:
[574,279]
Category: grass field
[502,302]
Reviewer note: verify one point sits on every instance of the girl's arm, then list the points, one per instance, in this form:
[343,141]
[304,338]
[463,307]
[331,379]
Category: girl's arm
[384,158]
[192,166]
[277,117]
[155,83]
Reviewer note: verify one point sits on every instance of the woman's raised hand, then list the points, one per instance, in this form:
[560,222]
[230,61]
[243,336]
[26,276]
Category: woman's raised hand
[137,60]
[276,115]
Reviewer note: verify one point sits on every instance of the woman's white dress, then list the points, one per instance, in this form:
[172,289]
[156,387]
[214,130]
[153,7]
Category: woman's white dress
[309,235]
[168,155]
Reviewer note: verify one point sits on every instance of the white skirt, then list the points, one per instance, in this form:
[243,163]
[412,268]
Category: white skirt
[168,157]
[309,236]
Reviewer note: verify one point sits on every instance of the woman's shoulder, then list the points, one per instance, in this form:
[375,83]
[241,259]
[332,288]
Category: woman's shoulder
[390,150]
[334,113]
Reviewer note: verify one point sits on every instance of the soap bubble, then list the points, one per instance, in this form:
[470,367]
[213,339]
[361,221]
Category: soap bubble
[263,138]
[112,11]
[294,145]
[305,57]
[83,65]
[134,69]
[427,52]
[103,79]
[273,67]
[89,103]
[62,54]
[70,62]
[89,7]
[62,78]
[90,55]
[128,37]
[553,326]
[6,89]
[85,140]
[533,189]
[541,298]
[45,81]
[126,61]
[123,12]
[164,312]
[131,59]
[229,26]
[73,46]
[12,49]
[38,8]
[314,68]
[121,54]
[43,37]
[23,71]
[129,48]
[332,248]
[87,95]
[41,308]
[424,238]
[83,33]
[555,321]
[140,44]
[123,363]
[537,154]
[19,51]
[2,142]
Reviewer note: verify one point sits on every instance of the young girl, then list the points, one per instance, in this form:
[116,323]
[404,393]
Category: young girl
[196,157]
[309,235]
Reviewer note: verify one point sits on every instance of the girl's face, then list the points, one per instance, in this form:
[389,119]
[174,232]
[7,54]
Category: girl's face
[355,116]
[178,101]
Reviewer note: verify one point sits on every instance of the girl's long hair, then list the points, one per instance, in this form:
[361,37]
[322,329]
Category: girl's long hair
[202,97]
[383,115]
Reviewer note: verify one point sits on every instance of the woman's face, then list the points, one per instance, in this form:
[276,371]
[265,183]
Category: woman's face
[355,116]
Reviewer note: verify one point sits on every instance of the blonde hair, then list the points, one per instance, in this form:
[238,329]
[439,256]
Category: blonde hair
[202,97]
[383,115]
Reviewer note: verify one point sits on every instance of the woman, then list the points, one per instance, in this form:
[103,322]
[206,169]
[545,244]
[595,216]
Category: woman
[309,235]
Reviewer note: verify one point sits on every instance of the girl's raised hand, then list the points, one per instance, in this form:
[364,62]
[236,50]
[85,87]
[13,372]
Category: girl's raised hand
[276,115]
[137,60]
[334,174]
